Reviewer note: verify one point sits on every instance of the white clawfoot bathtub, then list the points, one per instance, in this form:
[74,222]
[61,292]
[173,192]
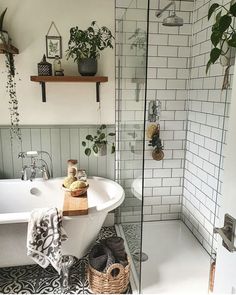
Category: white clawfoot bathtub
[18,198]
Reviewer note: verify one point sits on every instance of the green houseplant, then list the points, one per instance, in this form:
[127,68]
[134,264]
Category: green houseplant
[84,47]
[3,33]
[11,84]
[223,35]
[99,142]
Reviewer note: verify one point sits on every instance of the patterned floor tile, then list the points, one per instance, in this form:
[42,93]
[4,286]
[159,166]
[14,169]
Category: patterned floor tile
[32,279]
[132,232]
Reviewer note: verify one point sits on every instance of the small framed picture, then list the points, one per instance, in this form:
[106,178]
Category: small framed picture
[53,46]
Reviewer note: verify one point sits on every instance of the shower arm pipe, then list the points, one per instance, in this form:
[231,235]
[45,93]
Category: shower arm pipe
[159,12]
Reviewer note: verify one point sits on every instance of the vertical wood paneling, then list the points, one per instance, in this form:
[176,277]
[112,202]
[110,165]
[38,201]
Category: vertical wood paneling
[45,138]
[26,144]
[35,139]
[62,143]
[1,156]
[65,149]
[56,151]
[93,160]
[17,162]
[74,143]
[83,159]
[7,154]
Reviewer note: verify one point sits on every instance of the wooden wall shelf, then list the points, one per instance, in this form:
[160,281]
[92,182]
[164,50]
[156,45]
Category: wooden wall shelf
[75,79]
[8,48]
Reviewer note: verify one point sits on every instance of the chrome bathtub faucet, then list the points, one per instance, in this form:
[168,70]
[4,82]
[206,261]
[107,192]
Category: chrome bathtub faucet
[29,172]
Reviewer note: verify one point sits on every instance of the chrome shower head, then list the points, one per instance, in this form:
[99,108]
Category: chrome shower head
[173,21]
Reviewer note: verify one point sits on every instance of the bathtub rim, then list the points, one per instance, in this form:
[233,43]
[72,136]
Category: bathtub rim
[23,217]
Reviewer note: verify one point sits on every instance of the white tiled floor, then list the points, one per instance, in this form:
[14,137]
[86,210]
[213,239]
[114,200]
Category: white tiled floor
[177,263]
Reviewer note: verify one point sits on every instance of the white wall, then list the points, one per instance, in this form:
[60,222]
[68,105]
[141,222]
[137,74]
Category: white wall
[27,22]
[207,122]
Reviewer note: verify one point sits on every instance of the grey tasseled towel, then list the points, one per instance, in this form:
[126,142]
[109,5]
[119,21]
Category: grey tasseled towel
[100,257]
[108,252]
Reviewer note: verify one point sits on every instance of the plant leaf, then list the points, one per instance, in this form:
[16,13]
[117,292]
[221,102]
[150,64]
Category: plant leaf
[111,134]
[232,41]
[83,143]
[87,152]
[2,18]
[113,148]
[215,54]
[218,16]
[103,126]
[208,66]
[233,9]
[224,23]
[95,148]
[216,37]
[212,9]
[102,136]
[89,137]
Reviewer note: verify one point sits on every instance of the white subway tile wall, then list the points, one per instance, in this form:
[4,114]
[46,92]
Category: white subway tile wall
[168,74]
[208,110]
[193,117]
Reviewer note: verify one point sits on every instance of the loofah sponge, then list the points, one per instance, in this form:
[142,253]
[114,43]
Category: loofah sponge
[151,130]
[77,185]
[68,181]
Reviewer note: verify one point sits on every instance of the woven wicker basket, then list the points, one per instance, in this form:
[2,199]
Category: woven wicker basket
[106,283]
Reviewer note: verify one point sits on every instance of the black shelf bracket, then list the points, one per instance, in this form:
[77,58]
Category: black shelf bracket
[98,91]
[43,87]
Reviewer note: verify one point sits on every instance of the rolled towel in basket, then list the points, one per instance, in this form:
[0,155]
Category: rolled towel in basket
[116,245]
[100,257]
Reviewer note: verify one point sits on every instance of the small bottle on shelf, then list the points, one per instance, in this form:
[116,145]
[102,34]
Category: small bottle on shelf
[72,168]
[82,175]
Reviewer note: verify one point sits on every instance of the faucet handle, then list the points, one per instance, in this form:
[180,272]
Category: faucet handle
[24,175]
[45,172]
[21,155]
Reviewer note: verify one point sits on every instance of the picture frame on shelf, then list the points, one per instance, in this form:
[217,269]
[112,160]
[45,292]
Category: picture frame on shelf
[53,46]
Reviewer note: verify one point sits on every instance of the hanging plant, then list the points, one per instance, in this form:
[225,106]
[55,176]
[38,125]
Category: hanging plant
[223,35]
[99,142]
[11,84]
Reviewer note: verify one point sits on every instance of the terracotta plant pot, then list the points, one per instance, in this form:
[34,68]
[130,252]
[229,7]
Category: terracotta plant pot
[157,154]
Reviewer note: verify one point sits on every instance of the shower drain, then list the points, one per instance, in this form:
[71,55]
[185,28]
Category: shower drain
[140,256]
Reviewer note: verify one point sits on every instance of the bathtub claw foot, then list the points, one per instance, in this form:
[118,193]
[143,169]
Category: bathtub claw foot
[67,262]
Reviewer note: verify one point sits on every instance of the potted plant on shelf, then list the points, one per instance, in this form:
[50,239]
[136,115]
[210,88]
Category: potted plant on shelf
[84,47]
[99,142]
[3,33]
[223,36]
[11,84]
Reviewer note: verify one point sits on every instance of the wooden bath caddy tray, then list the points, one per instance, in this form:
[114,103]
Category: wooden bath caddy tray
[75,205]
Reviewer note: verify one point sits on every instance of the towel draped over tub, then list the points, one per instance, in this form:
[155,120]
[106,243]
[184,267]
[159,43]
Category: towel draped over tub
[44,237]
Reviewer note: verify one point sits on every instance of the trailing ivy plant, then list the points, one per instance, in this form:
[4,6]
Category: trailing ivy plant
[13,101]
[101,138]
[11,84]
[223,32]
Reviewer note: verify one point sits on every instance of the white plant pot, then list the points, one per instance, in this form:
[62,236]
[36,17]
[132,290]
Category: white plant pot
[4,37]
[102,150]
